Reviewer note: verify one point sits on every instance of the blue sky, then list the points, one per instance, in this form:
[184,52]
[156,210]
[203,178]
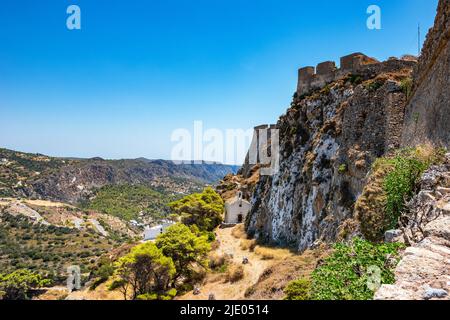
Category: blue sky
[137,70]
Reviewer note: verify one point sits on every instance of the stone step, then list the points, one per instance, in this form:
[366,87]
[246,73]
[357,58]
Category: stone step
[443,190]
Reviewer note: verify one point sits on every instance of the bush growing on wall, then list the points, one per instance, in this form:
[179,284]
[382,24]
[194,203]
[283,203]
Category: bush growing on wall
[348,273]
[391,184]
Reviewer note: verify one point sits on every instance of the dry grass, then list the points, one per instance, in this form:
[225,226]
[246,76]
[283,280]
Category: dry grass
[44,203]
[248,245]
[369,208]
[54,293]
[268,253]
[217,260]
[102,292]
[239,232]
[275,278]
[215,245]
[235,273]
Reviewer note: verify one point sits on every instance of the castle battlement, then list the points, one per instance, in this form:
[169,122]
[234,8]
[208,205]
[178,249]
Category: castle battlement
[310,78]
[265,126]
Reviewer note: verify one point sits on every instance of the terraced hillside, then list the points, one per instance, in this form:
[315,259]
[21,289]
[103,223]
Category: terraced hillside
[48,237]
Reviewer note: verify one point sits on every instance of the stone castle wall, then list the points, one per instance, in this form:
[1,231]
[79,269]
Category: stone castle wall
[313,78]
[310,78]
[427,118]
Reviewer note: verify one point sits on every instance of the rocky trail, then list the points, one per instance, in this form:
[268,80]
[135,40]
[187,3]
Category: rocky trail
[214,284]
[424,271]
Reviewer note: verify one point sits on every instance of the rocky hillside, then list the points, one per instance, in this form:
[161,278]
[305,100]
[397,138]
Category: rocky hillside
[329,138]
[48,237]
[75,180]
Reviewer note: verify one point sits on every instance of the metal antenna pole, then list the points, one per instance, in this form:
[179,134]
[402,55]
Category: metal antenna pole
[418,40]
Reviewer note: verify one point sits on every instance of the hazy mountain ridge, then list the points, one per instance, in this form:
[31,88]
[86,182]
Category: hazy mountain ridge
[75,180]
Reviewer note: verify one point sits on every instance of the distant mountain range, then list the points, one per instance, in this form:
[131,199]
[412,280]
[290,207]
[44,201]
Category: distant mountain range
[74,180]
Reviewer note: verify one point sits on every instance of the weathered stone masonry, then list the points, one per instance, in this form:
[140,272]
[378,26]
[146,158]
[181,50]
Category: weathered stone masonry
[310,78]
[427,117]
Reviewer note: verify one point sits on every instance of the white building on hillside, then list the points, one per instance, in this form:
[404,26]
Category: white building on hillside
[236,209]
[151,233]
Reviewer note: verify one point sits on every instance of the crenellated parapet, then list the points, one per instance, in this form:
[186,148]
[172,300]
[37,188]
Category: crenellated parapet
[311,78]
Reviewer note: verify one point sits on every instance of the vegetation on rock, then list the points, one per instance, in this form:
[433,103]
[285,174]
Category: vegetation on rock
[346,274]
[391,184]
[351,272]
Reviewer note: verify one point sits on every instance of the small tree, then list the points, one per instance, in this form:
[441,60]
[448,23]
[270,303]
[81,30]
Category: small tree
[298,290]
[185,249]
[19,284]
[144,270]
[202,209]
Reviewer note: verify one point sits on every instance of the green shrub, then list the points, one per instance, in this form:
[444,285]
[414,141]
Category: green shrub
[147,296]
[298,290]
[400,184]
[342,168]
[19,284]
[202,209]
[187,250]
[102,273]
[145,270]
[406,86]
[392,182]
[346,274]
[355,79]
[169,295]
[374,85]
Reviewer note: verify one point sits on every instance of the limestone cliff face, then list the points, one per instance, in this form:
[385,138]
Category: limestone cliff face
[428,111]
[328,140]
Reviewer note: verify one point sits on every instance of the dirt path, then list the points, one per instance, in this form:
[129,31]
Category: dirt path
[215,283]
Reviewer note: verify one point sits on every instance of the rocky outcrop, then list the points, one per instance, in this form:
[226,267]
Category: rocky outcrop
[428,111]
[328,140]
[424,271]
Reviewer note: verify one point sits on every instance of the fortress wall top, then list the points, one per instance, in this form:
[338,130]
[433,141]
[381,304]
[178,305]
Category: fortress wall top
[265,126]
[325,68]
[310,78]
[350,61]
[261,127]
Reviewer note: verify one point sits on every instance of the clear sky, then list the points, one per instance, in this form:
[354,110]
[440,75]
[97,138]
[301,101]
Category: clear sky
[139,69]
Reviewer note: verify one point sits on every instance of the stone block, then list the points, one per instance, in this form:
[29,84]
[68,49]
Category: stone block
[347,62]
[326,68]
